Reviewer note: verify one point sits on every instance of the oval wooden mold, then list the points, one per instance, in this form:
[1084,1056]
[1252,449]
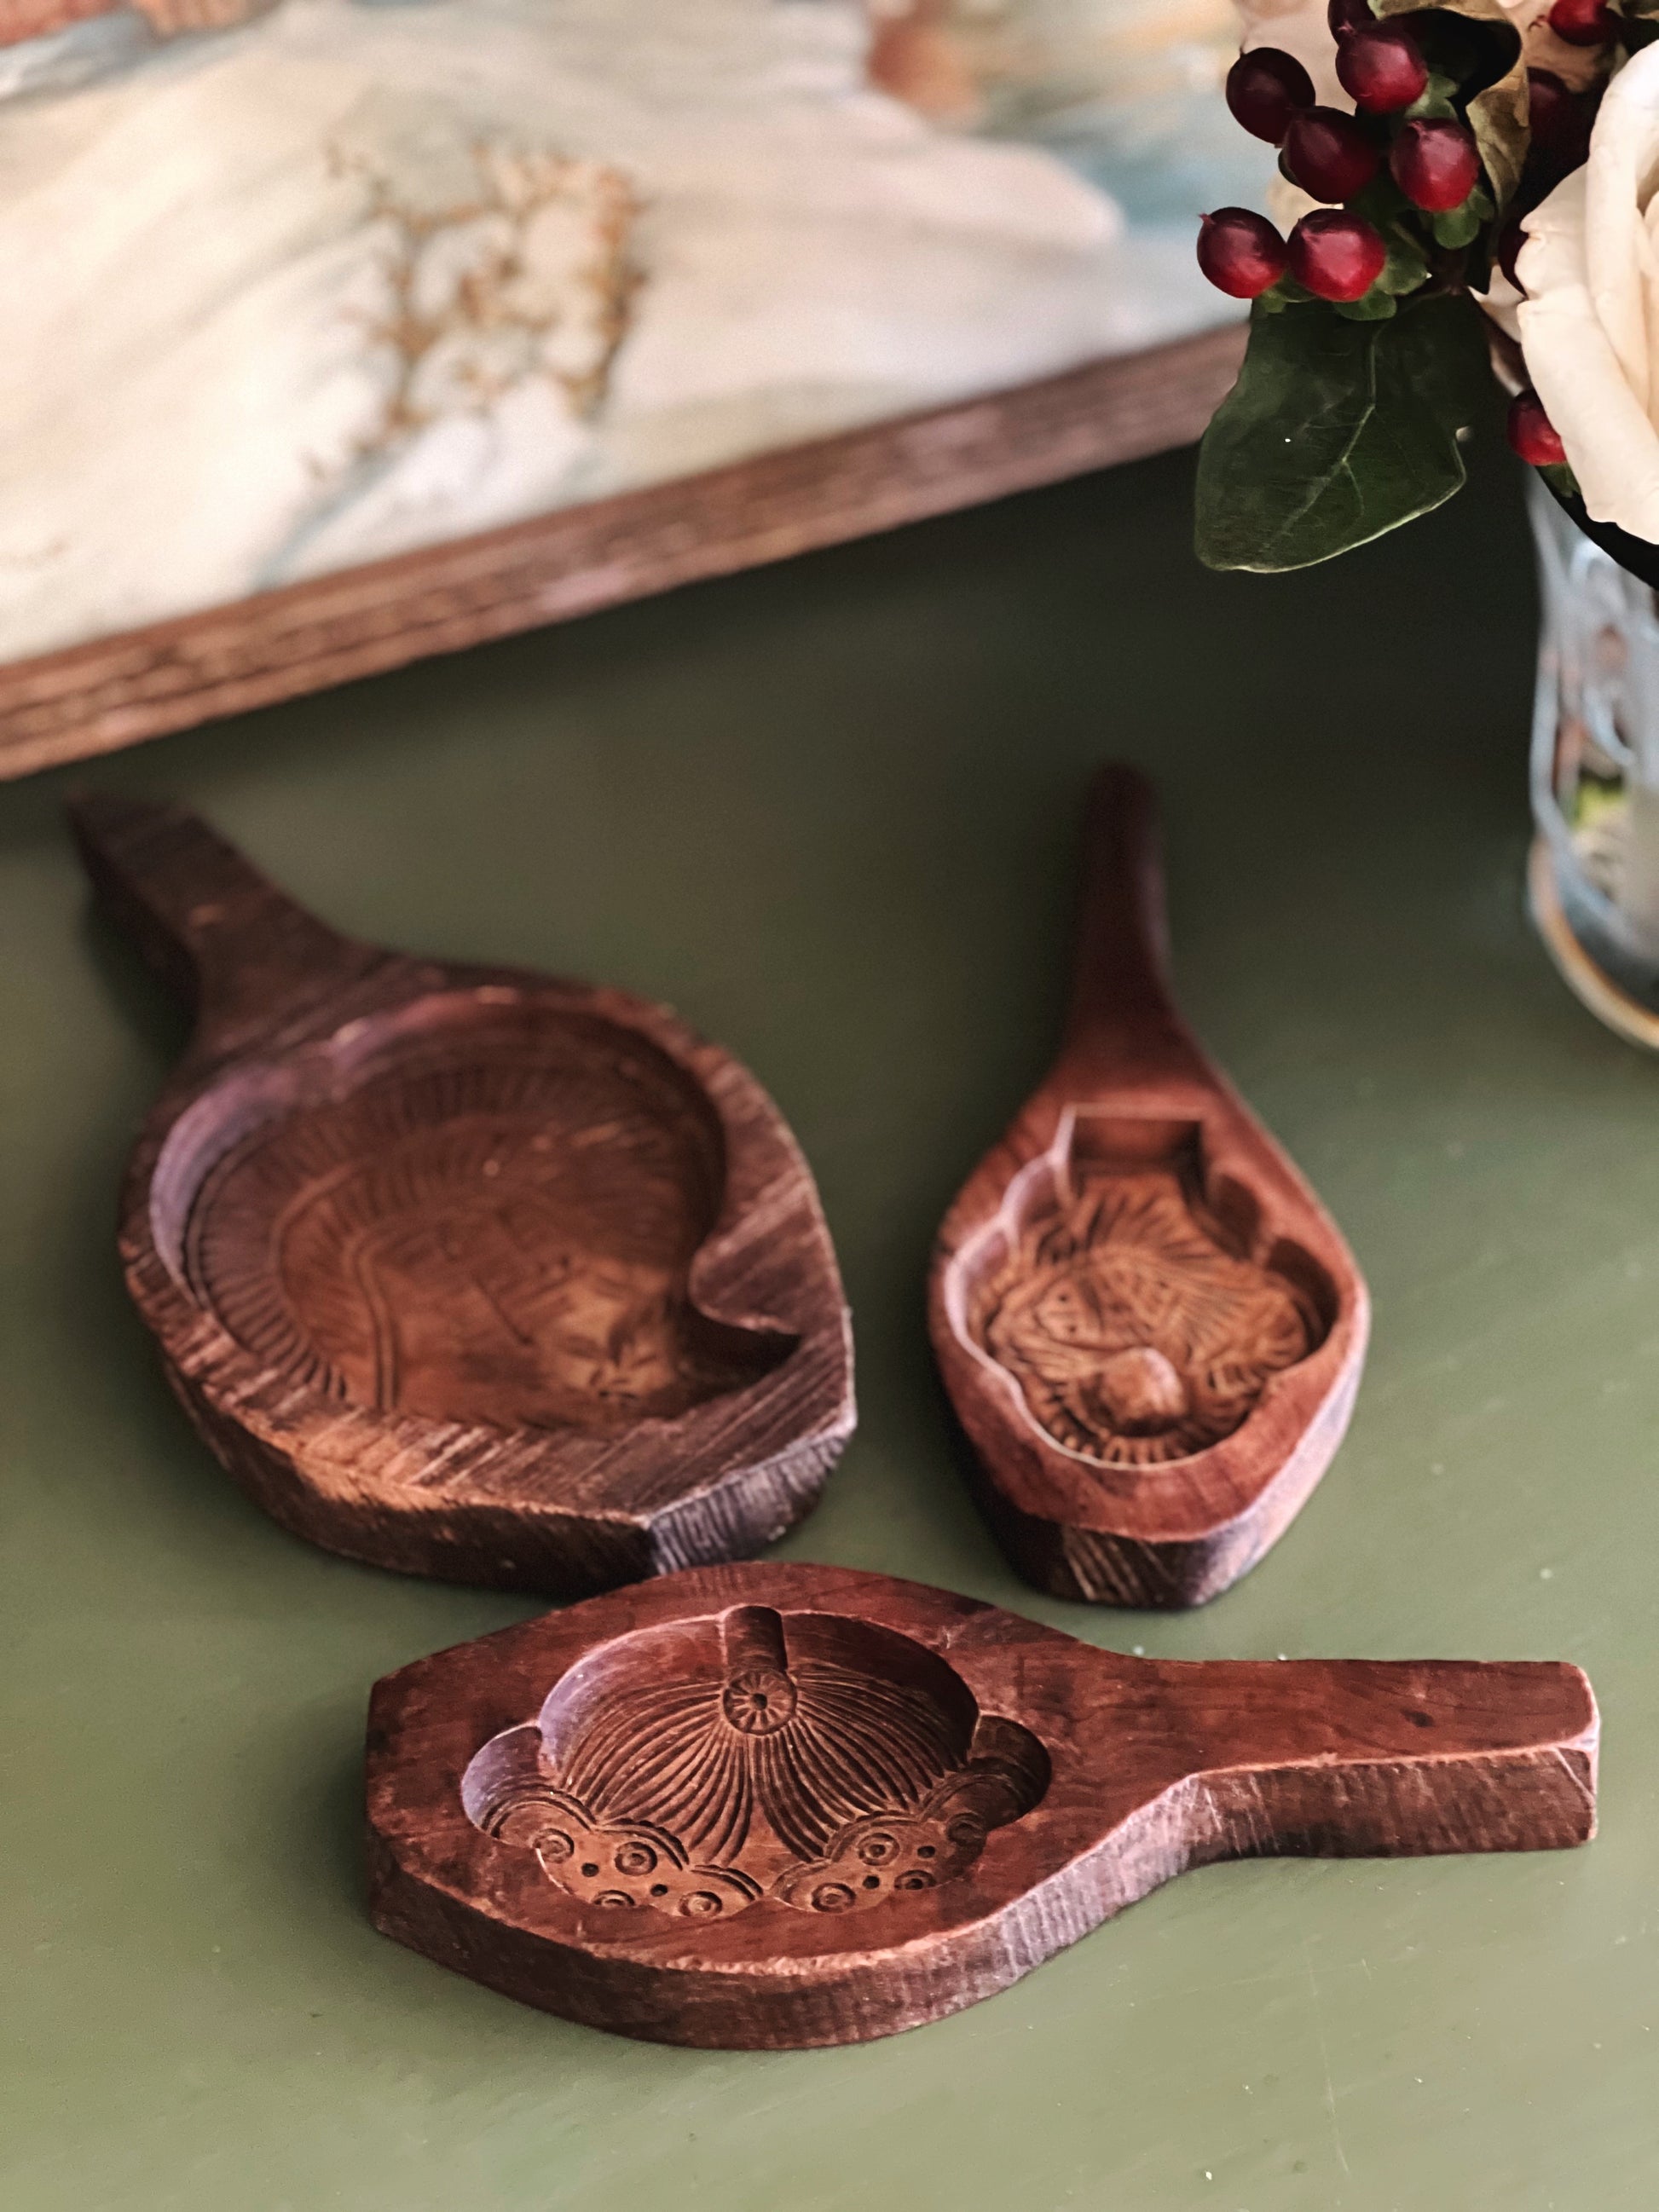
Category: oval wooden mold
[771,1806]
[1151,1330]
[462,1271]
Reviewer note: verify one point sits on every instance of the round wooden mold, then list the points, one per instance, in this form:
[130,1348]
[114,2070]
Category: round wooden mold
[1150,1328]
[700,1768]
[465,1272]
[771,1806]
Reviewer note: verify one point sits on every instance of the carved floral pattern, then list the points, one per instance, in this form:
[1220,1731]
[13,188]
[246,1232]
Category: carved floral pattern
[800,1778]
[1135,1335]
[493,1238]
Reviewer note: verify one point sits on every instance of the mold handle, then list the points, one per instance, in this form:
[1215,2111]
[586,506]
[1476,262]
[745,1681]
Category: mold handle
[1354,1758]
[1121,1009]
[217,932]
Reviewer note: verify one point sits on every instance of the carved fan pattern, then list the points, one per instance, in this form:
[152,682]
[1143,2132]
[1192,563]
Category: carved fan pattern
[1135,1336]
[808,1778]
[499,1239]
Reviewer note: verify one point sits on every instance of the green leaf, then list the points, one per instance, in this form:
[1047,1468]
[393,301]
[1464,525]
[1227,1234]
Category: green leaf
[1337,431]
[1438,94]
[1405,269]
[1287,293]
[1383,203]
[1459,226]
[1373,307]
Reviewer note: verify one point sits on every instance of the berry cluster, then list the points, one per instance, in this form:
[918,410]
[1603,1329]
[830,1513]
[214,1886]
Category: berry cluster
[1340,252]
[1406,207]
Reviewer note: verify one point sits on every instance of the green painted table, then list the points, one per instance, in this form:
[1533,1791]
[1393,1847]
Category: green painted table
[828,811]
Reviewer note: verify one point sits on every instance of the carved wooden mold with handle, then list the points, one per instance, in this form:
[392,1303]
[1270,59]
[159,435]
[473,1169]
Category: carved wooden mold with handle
[464,1271]
[770,1806]
[1150,1328]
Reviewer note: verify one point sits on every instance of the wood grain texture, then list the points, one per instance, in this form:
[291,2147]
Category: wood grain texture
[459,1270]
[1148,1328]
[114,692]
[772,1806]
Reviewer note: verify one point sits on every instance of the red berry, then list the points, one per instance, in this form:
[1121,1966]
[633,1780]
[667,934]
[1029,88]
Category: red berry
[1382,69]
[1345,16]
[1265,89]
[1328,154]
[1435,164]
[1584,22]
[1560,122]
[1336,255]
[1532,433]
[1547,99]
[1241,252]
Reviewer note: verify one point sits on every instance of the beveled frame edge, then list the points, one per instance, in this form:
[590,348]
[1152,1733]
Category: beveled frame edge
[95,698]
[259,1426]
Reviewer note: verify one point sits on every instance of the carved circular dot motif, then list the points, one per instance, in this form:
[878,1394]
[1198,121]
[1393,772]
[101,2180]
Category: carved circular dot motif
[803,1760]
[759,1702]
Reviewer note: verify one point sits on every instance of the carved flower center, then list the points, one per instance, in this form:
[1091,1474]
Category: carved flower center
[759,1701]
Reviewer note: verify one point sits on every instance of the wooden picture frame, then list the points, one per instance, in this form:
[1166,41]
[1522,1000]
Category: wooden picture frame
[351,335]
[113,691]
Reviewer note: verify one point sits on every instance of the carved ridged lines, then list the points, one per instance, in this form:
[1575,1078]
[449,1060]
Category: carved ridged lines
[854,1745]
[478,1188]
[1130,1266]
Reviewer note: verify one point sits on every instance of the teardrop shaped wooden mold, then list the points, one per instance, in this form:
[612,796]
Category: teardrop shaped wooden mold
[1151,1330]
[459,1270]
[774,1805]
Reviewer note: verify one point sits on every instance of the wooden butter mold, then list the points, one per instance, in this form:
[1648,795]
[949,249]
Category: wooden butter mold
[459,1270]
[1150,1329]
[771,1806]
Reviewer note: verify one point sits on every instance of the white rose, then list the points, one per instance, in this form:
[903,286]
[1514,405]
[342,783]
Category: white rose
[1590,324]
